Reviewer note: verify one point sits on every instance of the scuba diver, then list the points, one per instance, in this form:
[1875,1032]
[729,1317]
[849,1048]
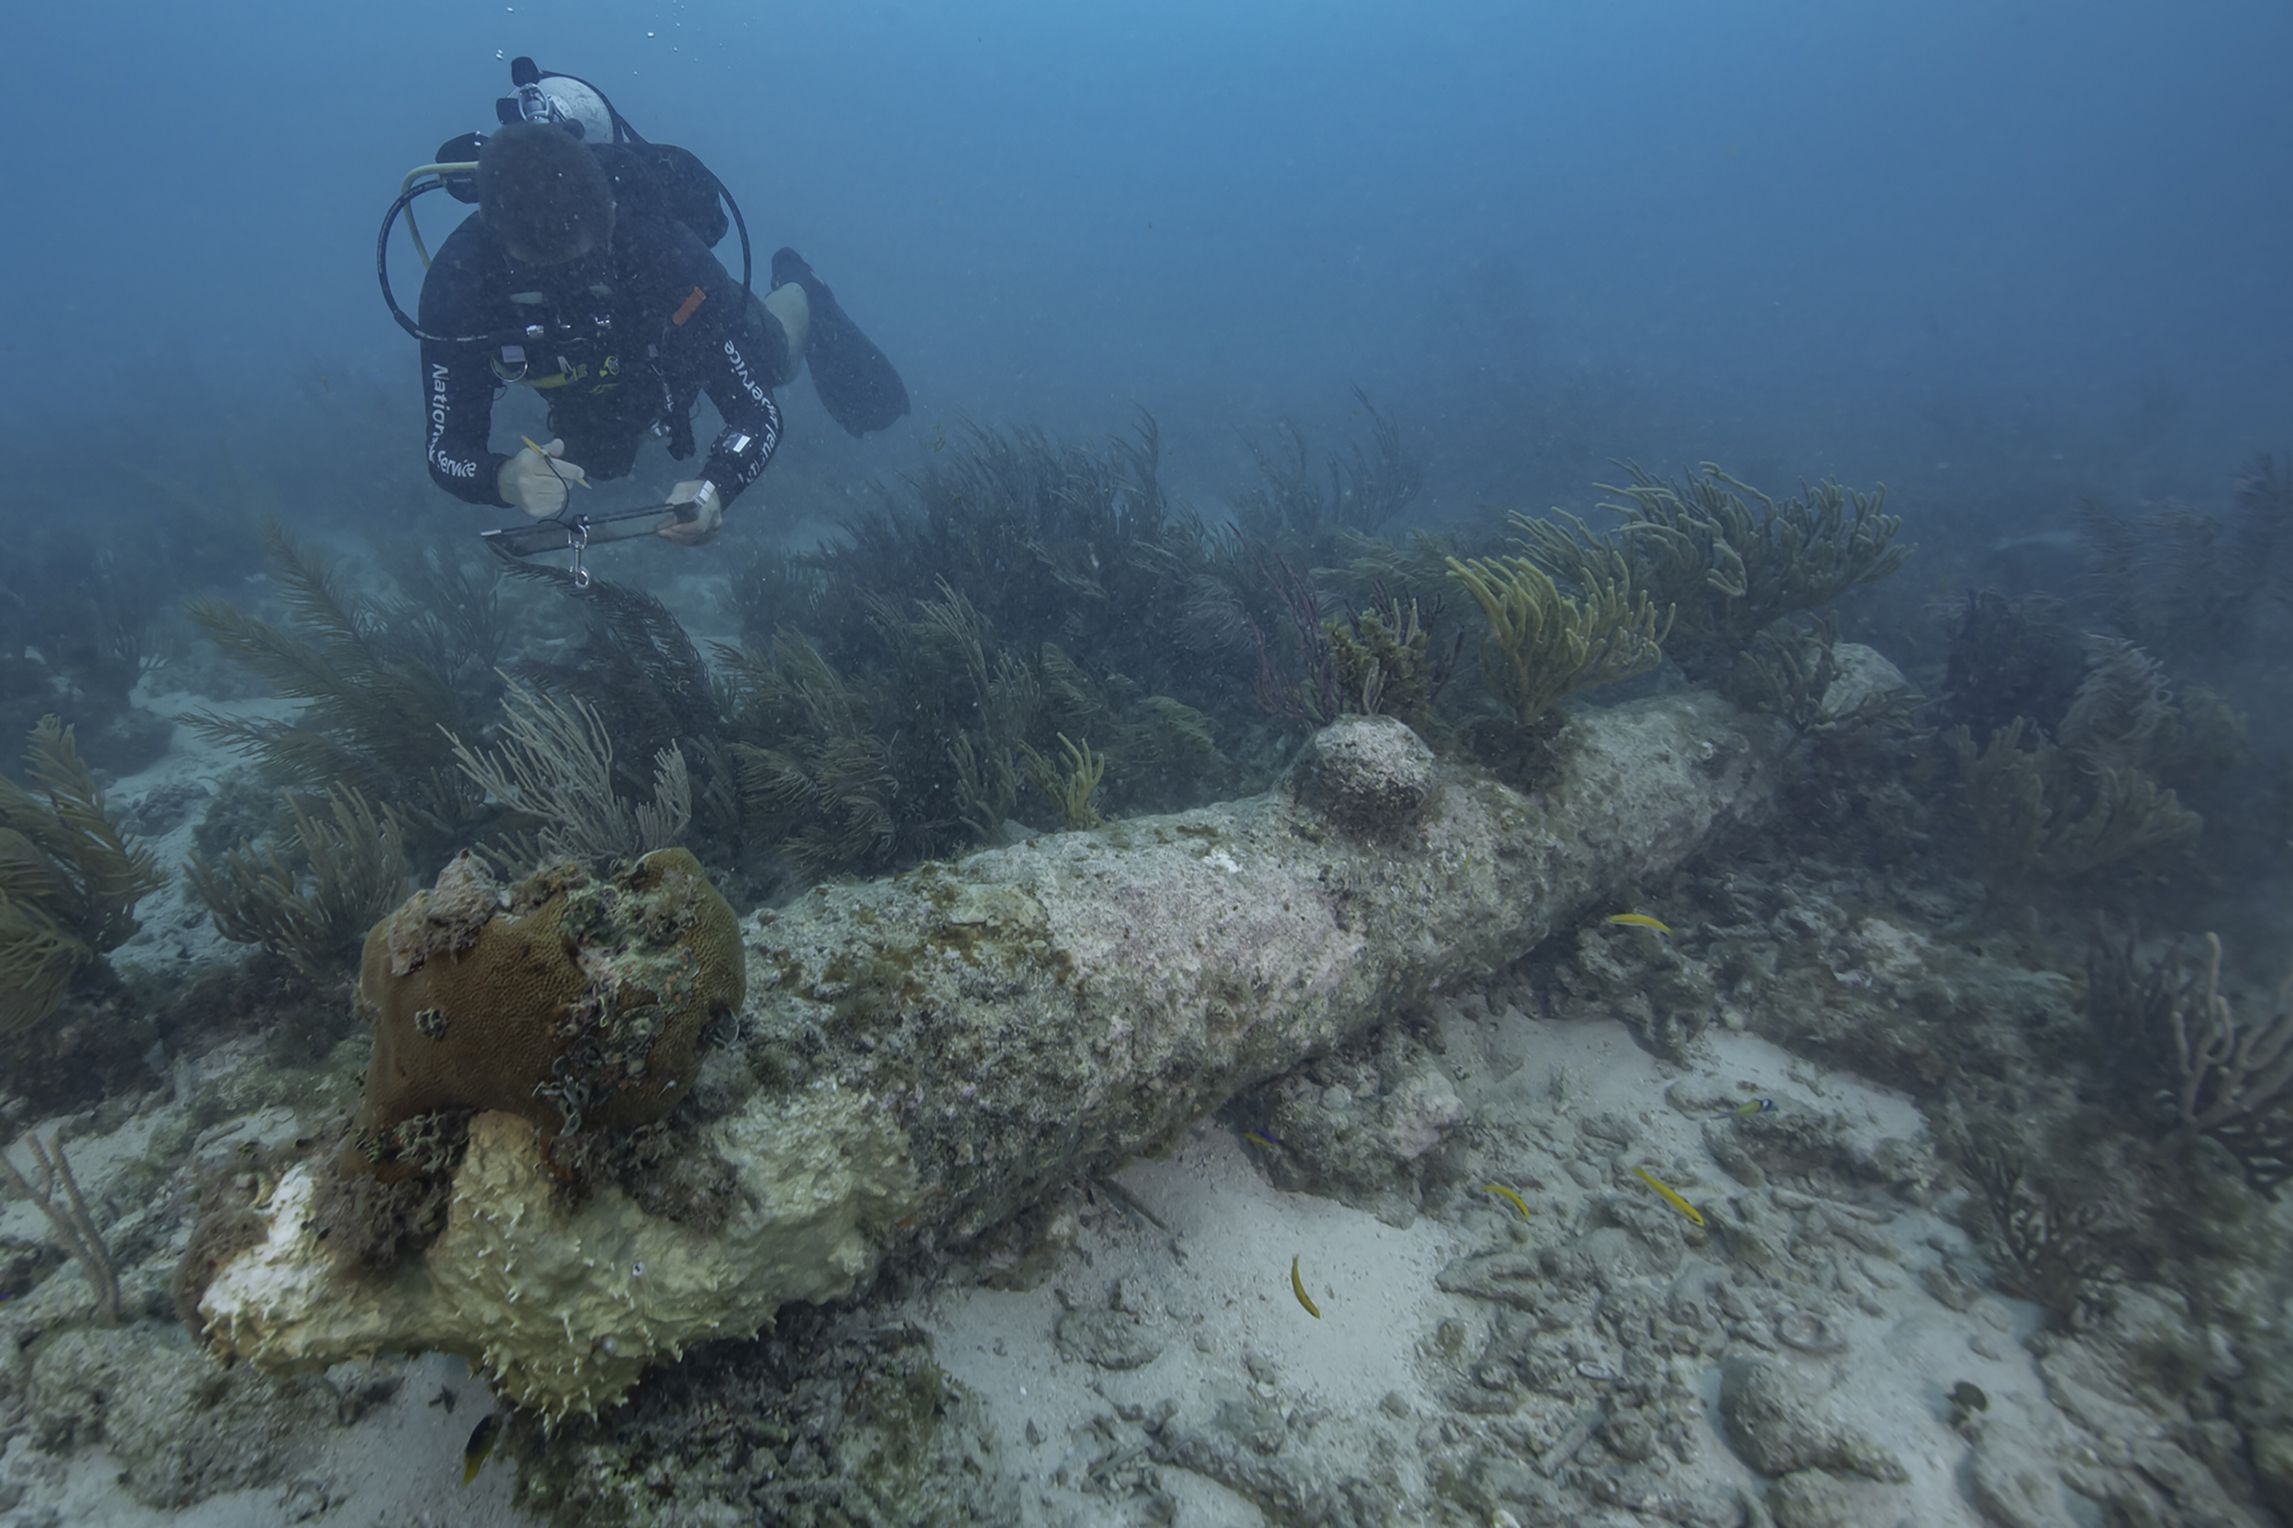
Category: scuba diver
[587,274]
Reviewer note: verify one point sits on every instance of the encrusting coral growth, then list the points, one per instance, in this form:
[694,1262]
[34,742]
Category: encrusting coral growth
[520,1031]
[935,1070]
[922,1057]
[575,1001]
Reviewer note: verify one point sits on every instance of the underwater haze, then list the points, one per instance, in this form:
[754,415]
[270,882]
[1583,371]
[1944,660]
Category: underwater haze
[1345,764]
[1820,235]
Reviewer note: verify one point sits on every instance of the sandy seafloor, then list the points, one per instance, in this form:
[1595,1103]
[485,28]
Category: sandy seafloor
[1873,1306]
[1219,1288]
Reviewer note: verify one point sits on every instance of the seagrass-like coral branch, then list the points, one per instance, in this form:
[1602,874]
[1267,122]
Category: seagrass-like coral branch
[1728,558]
[381,687]
[554,763]
[2177,1040]
[68,1219]
[1543,644]
[69,878]
[309,899]
[1071,788]
[2040,811]
[2233,1073]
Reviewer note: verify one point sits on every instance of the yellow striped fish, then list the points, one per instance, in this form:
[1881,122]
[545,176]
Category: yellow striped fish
[1642,920]
[1671,1196]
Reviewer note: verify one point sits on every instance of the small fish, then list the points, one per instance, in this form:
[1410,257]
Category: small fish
[1261,1138]
[481,1445]
[1298,1288]
[939,438]
[1642,920]
[1671,1197]
[1511,1198]
[1750,1107]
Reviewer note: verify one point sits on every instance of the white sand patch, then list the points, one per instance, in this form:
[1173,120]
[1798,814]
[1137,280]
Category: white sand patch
[1226,1290]
[1235,1322]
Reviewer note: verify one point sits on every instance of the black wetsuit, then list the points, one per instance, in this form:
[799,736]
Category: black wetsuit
[673,324]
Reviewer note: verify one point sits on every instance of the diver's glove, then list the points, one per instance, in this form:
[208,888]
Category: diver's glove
[708,512]
[538,481]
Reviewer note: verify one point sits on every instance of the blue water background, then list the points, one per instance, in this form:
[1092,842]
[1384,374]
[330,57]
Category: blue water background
[2001,253]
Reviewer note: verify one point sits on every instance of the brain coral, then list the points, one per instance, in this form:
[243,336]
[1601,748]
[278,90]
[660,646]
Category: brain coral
[573,1000]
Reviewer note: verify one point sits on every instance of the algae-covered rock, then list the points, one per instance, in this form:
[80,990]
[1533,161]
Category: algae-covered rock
[1369,775]
[2273,1467]
[841,1418]
[1108,1339]
[1813,1499]
[1645,981]
[2011,1481]
[1865,677]
[1779,1424]
[1364,1124]
[182,1427]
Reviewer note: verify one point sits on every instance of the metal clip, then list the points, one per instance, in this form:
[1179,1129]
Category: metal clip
[577,540]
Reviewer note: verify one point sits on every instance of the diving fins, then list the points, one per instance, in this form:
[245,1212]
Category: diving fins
[854,379]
